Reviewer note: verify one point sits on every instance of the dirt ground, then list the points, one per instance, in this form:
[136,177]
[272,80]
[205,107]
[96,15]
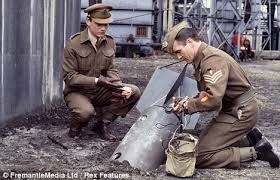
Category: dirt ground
[26,148]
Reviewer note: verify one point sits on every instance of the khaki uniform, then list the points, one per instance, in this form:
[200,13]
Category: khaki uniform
[82,63]
[229,138]
[220,78]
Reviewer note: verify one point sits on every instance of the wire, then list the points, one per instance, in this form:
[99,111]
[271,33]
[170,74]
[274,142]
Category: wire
[182,126]
[117,20]
[162,143]
[164,125]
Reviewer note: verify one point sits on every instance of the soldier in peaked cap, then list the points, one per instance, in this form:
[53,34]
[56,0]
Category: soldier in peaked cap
[100,13]
[230,138]
[93,88]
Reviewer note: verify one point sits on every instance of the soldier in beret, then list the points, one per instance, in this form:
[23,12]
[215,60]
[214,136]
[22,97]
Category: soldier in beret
[230,138]
[93,88]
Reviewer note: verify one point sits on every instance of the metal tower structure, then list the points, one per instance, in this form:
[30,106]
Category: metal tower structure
[218,20]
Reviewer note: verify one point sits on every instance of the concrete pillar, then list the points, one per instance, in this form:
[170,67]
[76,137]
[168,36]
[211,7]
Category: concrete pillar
[211,20]
[278,21]
[257,38]
[165,16]
[170,15]
[269,24]
[255,12]
[185,8]
[32,37]
[239,3]
[2,21]
[160,19]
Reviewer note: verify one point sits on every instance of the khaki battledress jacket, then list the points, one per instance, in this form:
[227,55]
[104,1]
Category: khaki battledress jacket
[83,63]
[223,81]
[219,77]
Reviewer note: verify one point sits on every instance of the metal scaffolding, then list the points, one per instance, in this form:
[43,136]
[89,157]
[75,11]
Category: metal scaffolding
[219,20]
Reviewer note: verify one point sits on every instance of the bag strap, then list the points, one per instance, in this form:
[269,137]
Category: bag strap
[176,85]
[170,147]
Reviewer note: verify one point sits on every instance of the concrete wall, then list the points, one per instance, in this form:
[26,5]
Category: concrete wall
[32,37]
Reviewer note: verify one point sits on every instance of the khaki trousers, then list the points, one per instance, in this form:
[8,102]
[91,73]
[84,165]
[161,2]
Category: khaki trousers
[82,104]
[218,142]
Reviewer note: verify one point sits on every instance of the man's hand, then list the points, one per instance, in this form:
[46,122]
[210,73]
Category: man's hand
[126,92]
[106,82]
[179,104]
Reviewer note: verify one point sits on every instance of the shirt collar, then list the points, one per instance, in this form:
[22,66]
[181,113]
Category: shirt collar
[85,36]
[92,39]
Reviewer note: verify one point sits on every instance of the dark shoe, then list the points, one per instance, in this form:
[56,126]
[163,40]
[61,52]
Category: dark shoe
[265,153]
[76,125]
[103,131]
[254,136]
[75,132]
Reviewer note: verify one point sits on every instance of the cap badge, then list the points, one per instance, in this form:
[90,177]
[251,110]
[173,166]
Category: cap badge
[105,12]
[164,44]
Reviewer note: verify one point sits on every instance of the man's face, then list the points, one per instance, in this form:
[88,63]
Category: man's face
[184,50]
[97,30]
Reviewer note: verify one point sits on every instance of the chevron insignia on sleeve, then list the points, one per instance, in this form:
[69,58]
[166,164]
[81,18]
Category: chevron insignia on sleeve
[213,77]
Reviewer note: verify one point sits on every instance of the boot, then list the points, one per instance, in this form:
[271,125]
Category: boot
[76,127]
[103,131]
[74,132]
[265,153]
[254,136]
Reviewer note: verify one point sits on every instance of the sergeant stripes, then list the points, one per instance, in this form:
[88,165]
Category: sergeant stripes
[213,78]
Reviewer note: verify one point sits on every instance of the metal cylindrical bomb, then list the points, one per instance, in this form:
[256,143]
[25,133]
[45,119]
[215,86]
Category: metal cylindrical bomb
[145,143]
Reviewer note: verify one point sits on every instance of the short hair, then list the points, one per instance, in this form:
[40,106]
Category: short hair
[89,18]
[186,33]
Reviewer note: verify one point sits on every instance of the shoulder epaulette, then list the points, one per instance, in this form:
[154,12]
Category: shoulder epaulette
[207,51]
[74,35]
[109,36]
